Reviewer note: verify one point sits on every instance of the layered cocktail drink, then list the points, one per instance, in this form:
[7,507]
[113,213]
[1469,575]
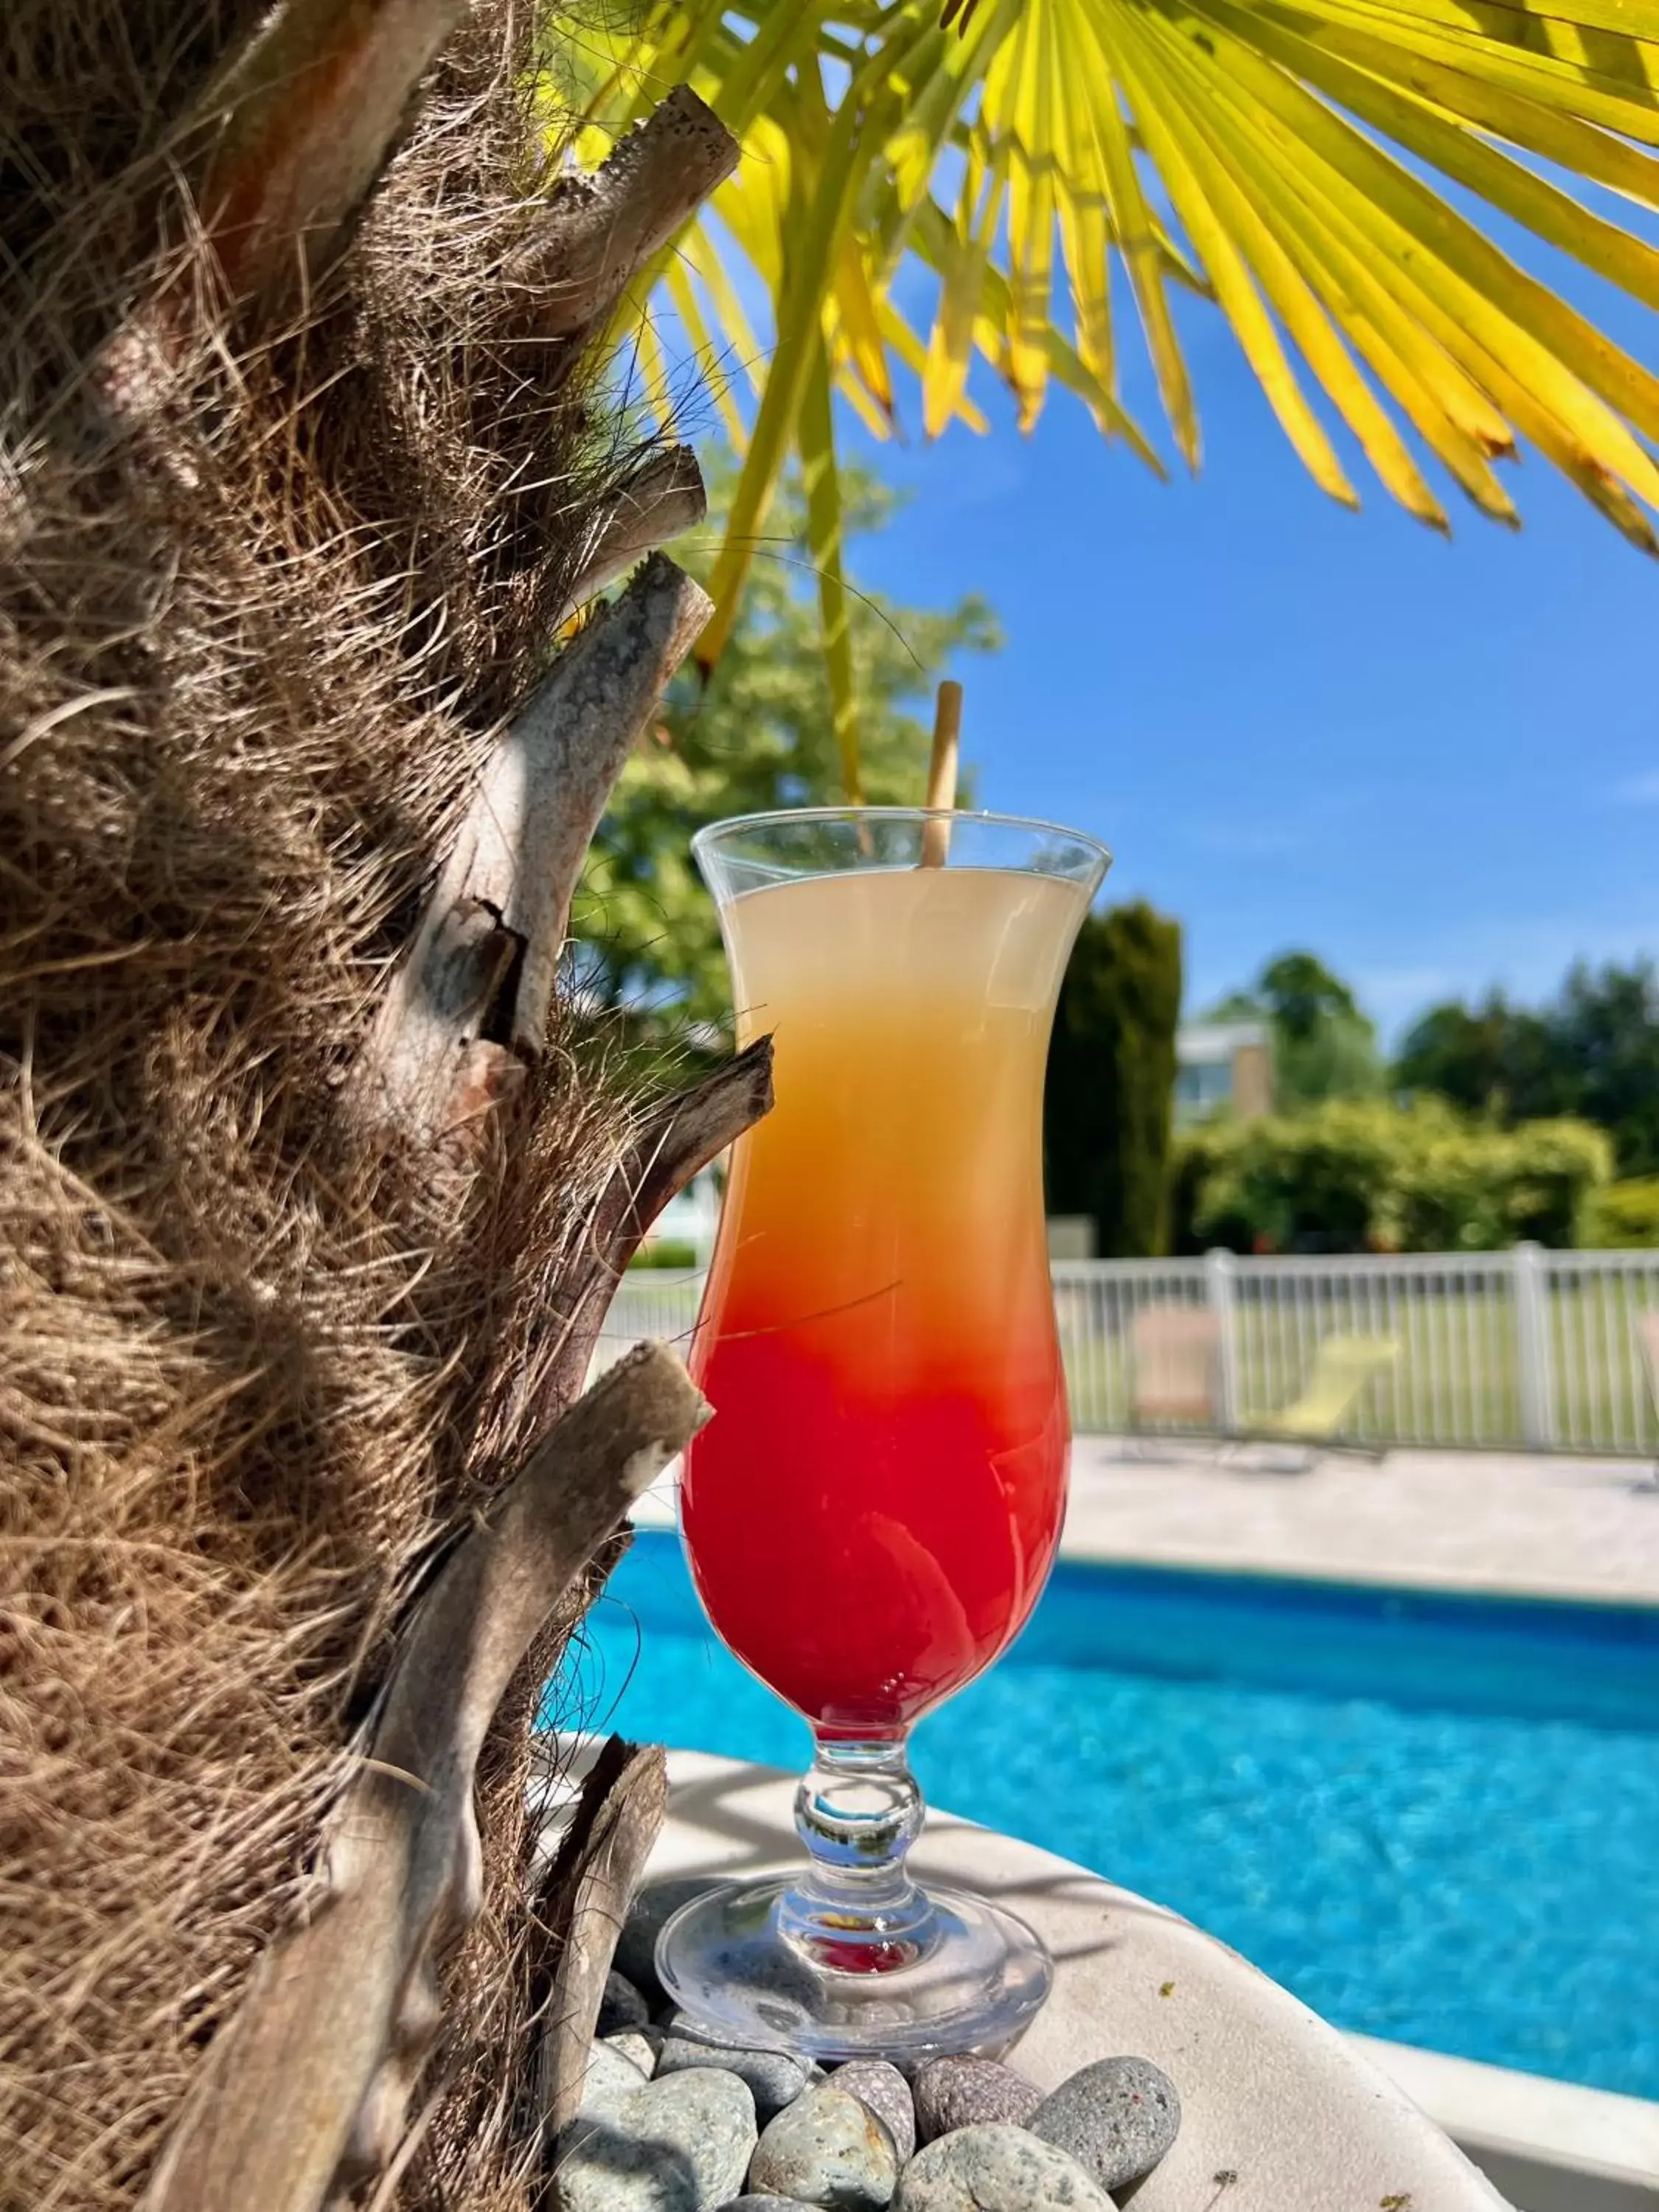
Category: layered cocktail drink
[873,1513]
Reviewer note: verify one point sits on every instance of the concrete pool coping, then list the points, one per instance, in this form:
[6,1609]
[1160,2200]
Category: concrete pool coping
[1297,2116]
[1546,2146]
[1549,2146]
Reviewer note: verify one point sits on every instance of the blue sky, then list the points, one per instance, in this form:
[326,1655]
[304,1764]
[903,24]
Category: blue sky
[1435,764]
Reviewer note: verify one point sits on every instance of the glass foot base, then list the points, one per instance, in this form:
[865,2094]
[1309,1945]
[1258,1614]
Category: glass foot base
[759,1965]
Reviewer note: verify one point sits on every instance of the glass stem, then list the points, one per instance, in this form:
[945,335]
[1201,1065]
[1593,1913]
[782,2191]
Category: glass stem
[858,1811]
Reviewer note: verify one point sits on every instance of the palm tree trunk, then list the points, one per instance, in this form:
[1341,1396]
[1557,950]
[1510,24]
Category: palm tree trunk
[310,1193]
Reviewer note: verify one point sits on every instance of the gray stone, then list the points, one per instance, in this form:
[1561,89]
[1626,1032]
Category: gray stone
[764,2204]
[621,2006]
[996,2169]
[1117,2118]
[970,2092]
[640,2045]
[637,1947]
[678,2146]
[611,2074]
[879,2085]
[828,2150]
[776,2078]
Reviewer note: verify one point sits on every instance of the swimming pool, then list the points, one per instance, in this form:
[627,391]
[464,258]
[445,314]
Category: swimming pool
[1434,1817]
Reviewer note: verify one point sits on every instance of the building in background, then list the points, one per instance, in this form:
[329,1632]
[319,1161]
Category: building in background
[1223,1063]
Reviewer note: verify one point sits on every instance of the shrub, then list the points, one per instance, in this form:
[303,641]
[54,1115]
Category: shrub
[665,1252]
[1477,1189]
[1312,1181]
[1354,1176]
[1625,1215]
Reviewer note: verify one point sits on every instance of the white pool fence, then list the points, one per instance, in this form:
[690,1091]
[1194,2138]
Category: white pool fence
[1521,1348]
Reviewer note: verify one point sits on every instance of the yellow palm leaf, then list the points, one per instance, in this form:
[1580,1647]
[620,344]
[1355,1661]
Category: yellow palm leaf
[1455,421]
[1137,234]
[743,347]
[717,373]
[855,309]
[990,335]
[1414,111]
[1173,148]
[822,483]
[1573,340]
[1274,155]
[818,213]
[1552,410]
[1250,219]
[1019,108]
[936,79]
[961,259]
[1542,345]
[910,349]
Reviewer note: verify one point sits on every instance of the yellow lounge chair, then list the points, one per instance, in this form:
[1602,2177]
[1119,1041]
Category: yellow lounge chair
[1343,1367]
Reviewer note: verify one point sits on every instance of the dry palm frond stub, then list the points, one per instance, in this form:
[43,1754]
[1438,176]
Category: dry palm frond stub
[309,2088]
[584,1902]
[296,494]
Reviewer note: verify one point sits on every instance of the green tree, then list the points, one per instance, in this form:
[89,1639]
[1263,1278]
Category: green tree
[1324,1045]
[1593,1051]
[1492,1059]
[1111,1081]
[760,735]
[1604,1028]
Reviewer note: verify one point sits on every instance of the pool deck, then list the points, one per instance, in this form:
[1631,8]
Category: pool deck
[1518,1524]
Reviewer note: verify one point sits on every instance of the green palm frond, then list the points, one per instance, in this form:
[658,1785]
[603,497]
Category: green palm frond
[1271,154]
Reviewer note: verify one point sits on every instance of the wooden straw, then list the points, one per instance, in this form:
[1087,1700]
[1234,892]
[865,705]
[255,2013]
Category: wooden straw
[942,774]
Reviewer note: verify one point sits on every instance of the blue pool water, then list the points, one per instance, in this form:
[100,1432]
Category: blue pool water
[1434,1819]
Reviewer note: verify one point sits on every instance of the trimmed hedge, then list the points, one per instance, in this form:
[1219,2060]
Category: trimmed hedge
[1109,1100]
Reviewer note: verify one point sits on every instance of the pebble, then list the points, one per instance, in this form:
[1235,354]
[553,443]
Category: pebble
[640,2045]
[1117,2118]
[763,2204]
[828,2149]
[883,2089]
[611,2074]
[637,1947]
[970,2092]
[621,2006]
[776,2078]
[682,2145]
[996,2169]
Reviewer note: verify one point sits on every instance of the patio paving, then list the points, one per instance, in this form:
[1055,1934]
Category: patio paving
[1525,1524]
